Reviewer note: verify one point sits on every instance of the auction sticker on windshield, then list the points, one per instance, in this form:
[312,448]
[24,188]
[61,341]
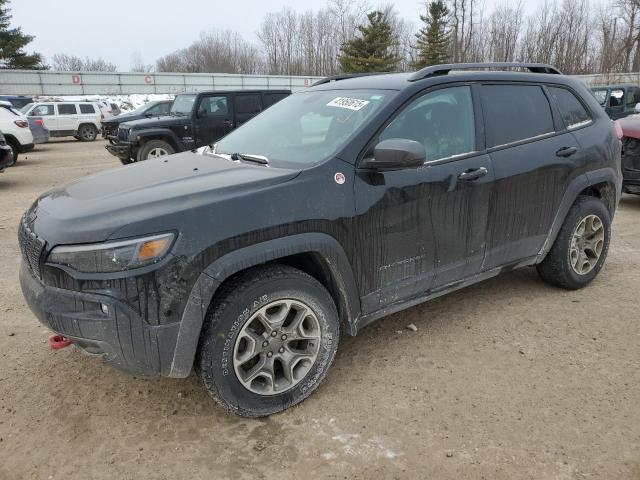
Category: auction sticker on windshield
[349,103]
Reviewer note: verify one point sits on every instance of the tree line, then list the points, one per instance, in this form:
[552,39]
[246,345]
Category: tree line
[576,36]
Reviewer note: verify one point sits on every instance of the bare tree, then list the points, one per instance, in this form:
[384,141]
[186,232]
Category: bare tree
[138,65]
[73,63]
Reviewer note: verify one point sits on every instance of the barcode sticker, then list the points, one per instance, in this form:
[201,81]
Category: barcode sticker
[349,103]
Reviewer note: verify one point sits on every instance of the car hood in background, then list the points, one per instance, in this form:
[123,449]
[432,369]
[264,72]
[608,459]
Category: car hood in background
[166,121]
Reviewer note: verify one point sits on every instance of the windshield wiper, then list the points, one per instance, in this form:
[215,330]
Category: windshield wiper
[262,160]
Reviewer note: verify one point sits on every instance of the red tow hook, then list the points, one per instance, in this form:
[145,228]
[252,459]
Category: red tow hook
[58,341]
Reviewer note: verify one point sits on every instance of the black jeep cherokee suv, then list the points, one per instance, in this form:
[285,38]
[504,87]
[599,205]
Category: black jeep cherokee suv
[194,120]
[342,204]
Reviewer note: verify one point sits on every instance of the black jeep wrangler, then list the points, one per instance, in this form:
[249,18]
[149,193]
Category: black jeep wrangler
[194,120]
[342,204]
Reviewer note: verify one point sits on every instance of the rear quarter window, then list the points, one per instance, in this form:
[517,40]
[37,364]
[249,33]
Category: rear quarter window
[515,112]
[87,108]
[573,112]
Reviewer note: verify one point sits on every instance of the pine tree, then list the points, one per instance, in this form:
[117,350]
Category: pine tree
[433,38]
[12,42]
[371,51]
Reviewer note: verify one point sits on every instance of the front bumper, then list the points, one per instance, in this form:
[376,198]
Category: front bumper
[120,335]
[120,151]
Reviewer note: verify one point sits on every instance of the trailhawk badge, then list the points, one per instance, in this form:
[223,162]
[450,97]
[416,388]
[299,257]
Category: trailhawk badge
[339,178]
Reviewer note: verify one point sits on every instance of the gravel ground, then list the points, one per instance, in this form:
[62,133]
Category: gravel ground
[507,379]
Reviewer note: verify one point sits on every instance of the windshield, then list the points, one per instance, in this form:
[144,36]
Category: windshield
[305,128]
[26,108]
[183,104]
[600,94]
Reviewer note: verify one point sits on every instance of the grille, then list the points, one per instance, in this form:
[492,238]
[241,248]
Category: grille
[31,247]
[123,134]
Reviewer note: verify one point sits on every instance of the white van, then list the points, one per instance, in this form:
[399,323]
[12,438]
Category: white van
[80,120]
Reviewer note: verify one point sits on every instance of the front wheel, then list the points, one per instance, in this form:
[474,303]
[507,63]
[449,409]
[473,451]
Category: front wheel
[581,247]
[154,149]
[268,342]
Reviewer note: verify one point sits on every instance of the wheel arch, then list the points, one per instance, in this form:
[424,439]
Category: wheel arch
[603,183]
[165,135]
[316,254]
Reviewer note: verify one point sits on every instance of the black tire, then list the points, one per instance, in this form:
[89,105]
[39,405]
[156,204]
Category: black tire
[87,132]
[556,268]
[234,306]
[154,145]
[15,148]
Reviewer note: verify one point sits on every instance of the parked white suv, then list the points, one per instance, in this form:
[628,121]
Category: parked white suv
[16,132]
[68,119]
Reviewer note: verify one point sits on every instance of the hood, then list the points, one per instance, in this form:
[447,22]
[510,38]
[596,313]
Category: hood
[93,208]
[166,121]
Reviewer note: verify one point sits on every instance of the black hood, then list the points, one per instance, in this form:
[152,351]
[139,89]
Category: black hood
[160,191]
[166,121]
[127,117]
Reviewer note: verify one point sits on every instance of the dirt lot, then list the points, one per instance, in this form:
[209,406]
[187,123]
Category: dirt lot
[508,379]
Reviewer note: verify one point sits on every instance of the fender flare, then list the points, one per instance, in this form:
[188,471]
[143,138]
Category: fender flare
[577,185]
[193,316]
[159,132]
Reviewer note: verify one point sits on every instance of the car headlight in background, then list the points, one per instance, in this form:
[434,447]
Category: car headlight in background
[115,256]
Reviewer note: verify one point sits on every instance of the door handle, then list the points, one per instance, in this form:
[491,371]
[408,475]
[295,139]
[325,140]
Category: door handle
[566,151]
[227,123]
[472,174]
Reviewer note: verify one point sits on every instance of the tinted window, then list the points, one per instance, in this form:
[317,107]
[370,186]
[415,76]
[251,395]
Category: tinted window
[572,111]
[248,104]
[271,98]
[215,105]
[442,121]
[87,108]
[42,110]
[67,109]
[515,112]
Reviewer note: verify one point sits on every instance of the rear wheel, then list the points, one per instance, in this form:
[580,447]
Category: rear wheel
[154,149]
[87,133]
[268,342]
[581,247]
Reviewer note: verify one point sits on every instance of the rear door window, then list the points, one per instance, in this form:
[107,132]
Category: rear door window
[67,109]
[248,104]
[573,112]
[87,108]
[515,112]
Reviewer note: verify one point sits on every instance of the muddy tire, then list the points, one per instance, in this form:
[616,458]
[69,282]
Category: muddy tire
[268,341]
[581,247]
[87,132]
[153,149]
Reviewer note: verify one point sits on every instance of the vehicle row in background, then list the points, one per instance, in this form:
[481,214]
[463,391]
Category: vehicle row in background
[618,101]
[80,120]
[148,110]
[194,120]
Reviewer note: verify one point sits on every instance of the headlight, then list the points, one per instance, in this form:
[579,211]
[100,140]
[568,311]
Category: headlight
[113,256]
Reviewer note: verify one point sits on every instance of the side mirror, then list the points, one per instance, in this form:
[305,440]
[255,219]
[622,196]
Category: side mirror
[396,154]
[637,108]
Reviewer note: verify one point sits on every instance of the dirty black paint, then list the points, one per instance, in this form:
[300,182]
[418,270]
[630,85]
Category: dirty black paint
[396,237]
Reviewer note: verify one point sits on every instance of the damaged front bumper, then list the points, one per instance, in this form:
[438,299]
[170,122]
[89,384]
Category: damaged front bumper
[121,151]
[102,325]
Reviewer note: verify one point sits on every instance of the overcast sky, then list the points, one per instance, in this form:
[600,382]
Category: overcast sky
[115,29]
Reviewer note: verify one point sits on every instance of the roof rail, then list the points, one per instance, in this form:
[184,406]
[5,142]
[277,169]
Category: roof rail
[435,70]
[345,76]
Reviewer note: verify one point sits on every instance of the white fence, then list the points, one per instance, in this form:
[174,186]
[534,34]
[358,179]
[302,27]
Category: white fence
[36,83]
[30,82]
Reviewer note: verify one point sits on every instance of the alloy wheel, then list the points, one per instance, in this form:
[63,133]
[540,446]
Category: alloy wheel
[587,243]
[157,152]
[277,347]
